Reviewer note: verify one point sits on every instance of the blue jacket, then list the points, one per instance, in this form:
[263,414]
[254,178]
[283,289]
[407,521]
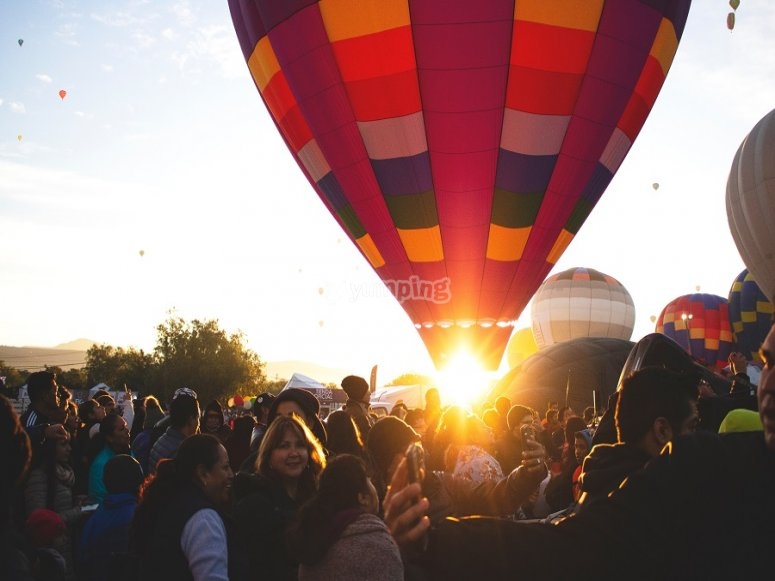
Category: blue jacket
[105,537]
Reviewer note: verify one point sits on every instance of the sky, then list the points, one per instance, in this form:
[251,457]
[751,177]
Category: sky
[162,146]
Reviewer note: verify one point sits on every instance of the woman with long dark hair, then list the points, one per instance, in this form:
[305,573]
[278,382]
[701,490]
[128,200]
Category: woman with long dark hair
[50,486]
[179,531]
[286,471]
[338,534]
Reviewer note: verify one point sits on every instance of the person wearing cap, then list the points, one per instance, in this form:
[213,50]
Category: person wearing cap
[357,404]
[183,422]
[261,406]
[213,422]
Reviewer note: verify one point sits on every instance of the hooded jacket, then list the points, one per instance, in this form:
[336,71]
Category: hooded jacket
[365,550]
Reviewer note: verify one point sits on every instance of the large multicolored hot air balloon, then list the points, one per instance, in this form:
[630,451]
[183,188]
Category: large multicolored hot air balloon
[460,144]
[581,302]
[750,314]
[751,203]
[700,324]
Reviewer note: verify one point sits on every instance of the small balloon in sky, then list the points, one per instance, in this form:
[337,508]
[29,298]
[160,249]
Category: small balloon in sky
[731,20]
[62,94]
[19,137]
[734,4]
[655,185]
[321,323]
[653,318]
[697,288]
[21,41]
[321,290]
[142,253]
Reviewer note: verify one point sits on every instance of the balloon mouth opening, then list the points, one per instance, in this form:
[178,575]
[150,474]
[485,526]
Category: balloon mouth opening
[466,324]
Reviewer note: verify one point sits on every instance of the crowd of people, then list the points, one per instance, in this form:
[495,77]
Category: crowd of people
[182,491]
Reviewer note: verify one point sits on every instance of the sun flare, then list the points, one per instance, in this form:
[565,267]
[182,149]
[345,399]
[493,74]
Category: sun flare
[463,381]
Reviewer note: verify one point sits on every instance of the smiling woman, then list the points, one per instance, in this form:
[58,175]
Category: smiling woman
[289,462]
[177,531]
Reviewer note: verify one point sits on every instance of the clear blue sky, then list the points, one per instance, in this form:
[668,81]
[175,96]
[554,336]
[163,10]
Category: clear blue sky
[163,145]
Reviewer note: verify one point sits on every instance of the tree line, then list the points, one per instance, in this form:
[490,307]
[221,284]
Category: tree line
[195,354]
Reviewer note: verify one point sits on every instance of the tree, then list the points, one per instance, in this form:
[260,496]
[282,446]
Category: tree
[14,378]
[203,357]
[118,367]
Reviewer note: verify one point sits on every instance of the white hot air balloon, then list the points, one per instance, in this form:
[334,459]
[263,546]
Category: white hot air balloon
[581,302]
[751,203]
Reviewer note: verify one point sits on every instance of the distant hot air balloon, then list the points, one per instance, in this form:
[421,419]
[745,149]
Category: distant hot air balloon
[321,290]
[751,203]
[700,324]
[581,302]
[731,21]
[62,94]
[521,346]
[21,41]
[142,253]
[750,314]
[460,145]
[321,323]
[653,318]
[19,137]
[655,185]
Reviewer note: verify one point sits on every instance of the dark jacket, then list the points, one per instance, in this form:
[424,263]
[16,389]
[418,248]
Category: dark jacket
[262,514]
[606,466]
[704,509]
[163,558]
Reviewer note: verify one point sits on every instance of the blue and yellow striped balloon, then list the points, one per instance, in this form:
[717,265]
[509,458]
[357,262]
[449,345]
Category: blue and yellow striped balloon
[750,313]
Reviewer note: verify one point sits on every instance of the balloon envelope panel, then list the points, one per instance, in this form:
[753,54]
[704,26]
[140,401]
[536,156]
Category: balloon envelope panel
[751,203]
[750,314]
[581,302]
[461,145]
[578,367]
[700,324]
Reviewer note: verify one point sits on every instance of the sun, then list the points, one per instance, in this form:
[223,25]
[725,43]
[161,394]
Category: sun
[463,381]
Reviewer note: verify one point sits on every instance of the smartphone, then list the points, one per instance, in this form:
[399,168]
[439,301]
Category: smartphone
[527,432]
[415,462]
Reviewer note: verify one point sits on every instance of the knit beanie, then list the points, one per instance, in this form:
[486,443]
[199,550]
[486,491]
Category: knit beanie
[43,527]
[356,388]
